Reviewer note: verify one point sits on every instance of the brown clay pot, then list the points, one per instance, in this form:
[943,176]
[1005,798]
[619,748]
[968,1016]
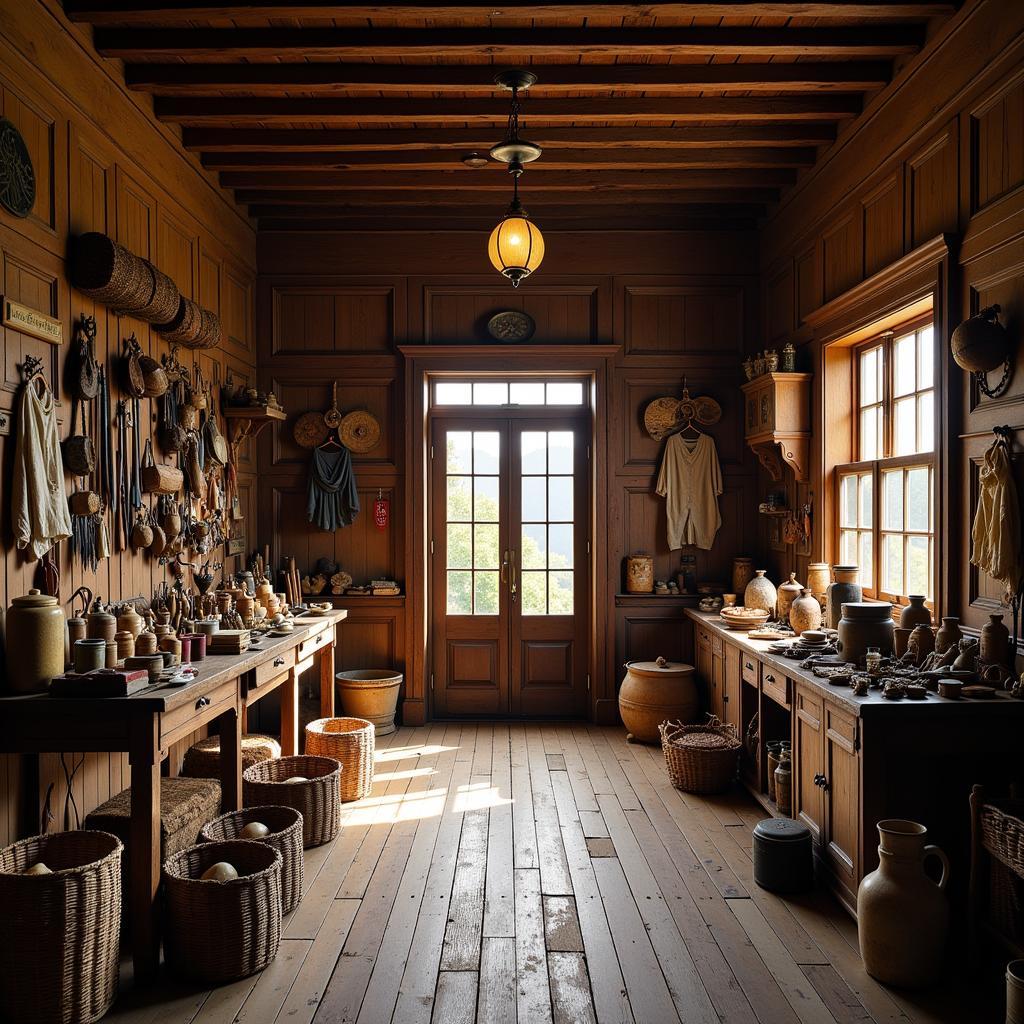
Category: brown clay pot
[35,642]
[921,642]
[761,593]
[639,574]
[863,625]
[788,593]
[915,614]
[949,634]
[371,694]
[100,624]
[902,915]
[818,578]
[995,642]
[805,612]
[653,692]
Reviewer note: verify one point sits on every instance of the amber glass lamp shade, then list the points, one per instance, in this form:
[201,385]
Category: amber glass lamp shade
[516,247]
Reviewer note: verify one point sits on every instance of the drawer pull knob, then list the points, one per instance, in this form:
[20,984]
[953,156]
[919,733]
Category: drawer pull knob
[278,662]
[820,781]
[749,667]
[202,703]
[769,678]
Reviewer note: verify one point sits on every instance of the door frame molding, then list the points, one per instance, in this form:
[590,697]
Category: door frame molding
[594,362]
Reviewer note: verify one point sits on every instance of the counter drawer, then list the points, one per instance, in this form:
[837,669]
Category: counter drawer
[751,668]
[775,685]
[314,643]
[278,664]
[196,711]
[717,646]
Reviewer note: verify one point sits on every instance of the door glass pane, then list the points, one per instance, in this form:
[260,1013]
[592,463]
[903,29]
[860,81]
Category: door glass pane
[526,392]
[485,546]
[534,593]
[490,393]
[535,448]
[560,451]
[485,499]
[460,546]
[458,392]
[485,451]
[560,499]
[459,446]
[560,546]
[535,505]
[460,502]
[460,593]
[565,393]
[485,593]
[560,596]
[535,549]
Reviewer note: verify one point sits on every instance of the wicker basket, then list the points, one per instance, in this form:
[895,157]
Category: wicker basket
[61,967]
[183,328]
[209,329]
[700,758]
[350,741]
[285,824]
[221,931]
[163,302]
[202,759]
[317,799]
[109,273]
[1001,830]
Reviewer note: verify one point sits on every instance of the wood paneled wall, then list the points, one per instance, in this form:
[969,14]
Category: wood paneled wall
[941,151]
[338,306]
[102,164]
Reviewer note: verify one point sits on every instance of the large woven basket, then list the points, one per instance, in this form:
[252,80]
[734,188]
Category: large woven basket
[221,931]
[202,759]
[1001,826]
[209,329]
[183,328]
[285,824]
[317,799]
[700,758]
[164,299]
[59,962]
[110,273]
[350,741]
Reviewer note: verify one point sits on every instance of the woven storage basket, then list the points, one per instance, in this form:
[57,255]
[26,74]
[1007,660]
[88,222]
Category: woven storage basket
[60,961]
[285,824]
[163,302]
[209,329]
[318,799]
[221,931]
[183,328]
[202,759]
[700,758]
[1002,835]
[109,273]
[350,741]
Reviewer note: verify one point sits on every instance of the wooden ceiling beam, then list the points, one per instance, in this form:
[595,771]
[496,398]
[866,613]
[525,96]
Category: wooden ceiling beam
[483,216]
[181,12]
[271,79]
[397,225]
[536,199]
[271,140]
[843,41]
[445,160]
[271,110]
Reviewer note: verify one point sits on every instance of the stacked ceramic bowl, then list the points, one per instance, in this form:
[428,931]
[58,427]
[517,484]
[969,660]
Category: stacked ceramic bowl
[744,618]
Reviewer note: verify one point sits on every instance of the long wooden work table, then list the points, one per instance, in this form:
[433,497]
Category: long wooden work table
[146,724]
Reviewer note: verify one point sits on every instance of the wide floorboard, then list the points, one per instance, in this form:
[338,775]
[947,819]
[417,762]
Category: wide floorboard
[533,873]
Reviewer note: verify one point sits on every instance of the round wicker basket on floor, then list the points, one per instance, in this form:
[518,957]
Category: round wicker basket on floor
[202,759]
[700,758]
[285,824]
[60,963]
[221,931]
[317,799]
[350,741]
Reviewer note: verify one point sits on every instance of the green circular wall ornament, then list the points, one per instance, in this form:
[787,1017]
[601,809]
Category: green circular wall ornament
[17,176]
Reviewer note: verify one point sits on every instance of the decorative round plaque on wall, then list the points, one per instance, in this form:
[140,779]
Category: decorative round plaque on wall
[17,176]
[511,325]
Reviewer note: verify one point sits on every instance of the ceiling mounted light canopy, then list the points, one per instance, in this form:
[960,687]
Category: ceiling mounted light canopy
[516,246]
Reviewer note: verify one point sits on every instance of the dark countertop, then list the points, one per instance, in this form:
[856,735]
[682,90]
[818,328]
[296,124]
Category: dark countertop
[213,670]
[870,705]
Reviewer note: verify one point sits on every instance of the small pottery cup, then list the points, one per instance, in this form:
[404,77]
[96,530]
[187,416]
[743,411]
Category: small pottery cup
[110,654]
[89,654]
[728,600]
[198,646]
[950,688]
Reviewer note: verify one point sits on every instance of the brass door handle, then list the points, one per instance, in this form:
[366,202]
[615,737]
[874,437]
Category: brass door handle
[512,586]
[504,568]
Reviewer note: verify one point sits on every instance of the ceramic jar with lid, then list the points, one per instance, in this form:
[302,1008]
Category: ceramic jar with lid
[805,612]
[100,624]
[844,590]
[902,915]
[818,579]
[653,692]
[949,634]
[742,574]
[639,574]
[128,618]
[788,593]
[865,624]
[761,593]
[915,614]
[35,642]
[995,642]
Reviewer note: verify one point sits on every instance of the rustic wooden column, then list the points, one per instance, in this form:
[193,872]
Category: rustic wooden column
[144,856]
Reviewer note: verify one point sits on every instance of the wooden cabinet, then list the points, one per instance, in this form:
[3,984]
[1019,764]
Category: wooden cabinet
[732,681]
[841,789]
[808,761]
[705,665]
[776,421]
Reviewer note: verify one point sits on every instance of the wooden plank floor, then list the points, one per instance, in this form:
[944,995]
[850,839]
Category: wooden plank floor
[538,873]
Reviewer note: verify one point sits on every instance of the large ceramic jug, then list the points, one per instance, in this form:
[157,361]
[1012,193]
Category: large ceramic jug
[846,589]
[902,915]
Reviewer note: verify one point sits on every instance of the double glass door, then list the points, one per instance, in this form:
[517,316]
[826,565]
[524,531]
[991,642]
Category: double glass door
[510,578]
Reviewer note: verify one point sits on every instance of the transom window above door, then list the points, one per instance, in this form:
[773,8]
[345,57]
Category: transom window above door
[513,391]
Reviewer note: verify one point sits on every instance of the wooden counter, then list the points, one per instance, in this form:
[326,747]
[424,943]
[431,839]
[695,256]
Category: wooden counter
[857,760]
[147,723]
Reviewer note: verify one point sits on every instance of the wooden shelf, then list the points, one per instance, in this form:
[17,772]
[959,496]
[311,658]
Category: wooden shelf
[658,597]
[777,422]
[246,421]
[357,600]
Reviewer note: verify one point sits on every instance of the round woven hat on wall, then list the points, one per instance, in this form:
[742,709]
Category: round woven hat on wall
[359,431]
[310,430]
[660,417]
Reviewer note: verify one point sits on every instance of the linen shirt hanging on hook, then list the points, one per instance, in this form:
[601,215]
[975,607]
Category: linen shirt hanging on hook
[996,534]
[690,480]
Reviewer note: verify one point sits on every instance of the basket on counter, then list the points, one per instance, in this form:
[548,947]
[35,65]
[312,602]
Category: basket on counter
[285,824]
[701,758]
[317,798]
[350,741]
[219,931]
[60,963]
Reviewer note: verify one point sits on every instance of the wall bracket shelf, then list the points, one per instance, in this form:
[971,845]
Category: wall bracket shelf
[777,422]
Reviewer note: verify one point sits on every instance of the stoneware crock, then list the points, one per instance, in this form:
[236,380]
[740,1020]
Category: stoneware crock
[653,692]
[35,642]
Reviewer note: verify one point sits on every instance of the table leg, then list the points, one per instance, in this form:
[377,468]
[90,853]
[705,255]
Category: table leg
[327,681]
[144,832]
[230,728]
[290,714]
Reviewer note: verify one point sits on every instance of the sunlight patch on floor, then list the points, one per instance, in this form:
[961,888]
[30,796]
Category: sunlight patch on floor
[401,753]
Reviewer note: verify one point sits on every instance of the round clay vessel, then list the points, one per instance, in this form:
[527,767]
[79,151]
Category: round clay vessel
[805,612]
[639,574]
[995,642]
[915,613]
[100,624]
[863,625]
[921,642]
[35,642]
[949,634]
[371,693]
[788,593]
[742,574]
[900,640]
[131,620]
[656,691]
[818,578]
[88,655]
[761,593]
[845,590]
[902,915]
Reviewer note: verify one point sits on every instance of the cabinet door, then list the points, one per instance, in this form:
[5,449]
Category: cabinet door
[731,691]
[808,761]
[718,685]
[704,666]
[842,796]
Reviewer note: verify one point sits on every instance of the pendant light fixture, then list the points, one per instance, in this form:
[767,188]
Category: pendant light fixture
[516,246]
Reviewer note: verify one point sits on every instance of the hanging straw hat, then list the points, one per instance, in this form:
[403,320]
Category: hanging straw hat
[660,417]
[359,431]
